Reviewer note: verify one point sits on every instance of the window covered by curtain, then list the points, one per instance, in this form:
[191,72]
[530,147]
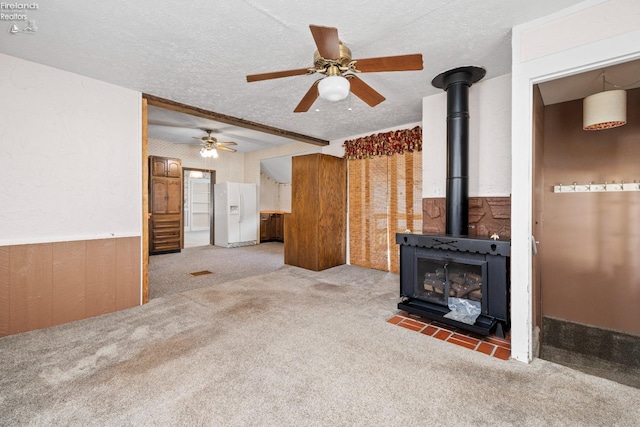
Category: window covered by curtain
[385,196]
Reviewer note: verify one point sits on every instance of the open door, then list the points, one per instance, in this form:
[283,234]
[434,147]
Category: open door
[537,211]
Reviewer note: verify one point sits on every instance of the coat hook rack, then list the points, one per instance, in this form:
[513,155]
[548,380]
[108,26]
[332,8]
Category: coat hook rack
[591,187]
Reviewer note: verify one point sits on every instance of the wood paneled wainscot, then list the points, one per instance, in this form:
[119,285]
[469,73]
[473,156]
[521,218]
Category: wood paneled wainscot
[46,284]
[315,230]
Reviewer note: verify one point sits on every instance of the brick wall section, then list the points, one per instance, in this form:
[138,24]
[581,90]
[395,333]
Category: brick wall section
[487,215]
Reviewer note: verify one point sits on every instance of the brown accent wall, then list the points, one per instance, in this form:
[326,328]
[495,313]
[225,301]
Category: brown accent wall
[46,284]
[591,241]
[487,215]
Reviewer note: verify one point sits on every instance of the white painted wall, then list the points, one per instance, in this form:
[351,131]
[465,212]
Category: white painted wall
[284,197]
[70,156]
[269,194]
[274,196]
[489,140]
[229,167]
[252,159]
[252,166]
[591,35]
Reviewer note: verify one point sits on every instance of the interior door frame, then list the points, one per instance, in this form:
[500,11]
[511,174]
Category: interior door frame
[212,182]
[145,205]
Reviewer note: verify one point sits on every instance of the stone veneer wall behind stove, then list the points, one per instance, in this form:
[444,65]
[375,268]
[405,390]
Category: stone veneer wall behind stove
[487,215]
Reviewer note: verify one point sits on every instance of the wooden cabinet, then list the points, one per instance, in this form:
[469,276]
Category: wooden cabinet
[315,230]
[166,195]
[271,227]
[277,230]
[163,166]
[165,205]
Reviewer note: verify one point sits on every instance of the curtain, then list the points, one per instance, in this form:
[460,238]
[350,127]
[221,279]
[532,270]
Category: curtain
[385,197]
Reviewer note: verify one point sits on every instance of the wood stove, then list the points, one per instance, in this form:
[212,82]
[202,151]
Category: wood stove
[441,273]
[434,269]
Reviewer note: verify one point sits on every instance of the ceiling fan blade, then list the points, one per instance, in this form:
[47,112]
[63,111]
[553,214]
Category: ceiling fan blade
[308,99]
[364,91]
[327,41]
[277,74]
[390,63]
[226,149]
[226,143]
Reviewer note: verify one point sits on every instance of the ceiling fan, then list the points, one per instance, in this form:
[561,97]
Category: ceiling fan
[211,145]
[333,60]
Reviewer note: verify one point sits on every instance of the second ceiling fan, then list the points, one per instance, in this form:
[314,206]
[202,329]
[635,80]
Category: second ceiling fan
[210,145]
[333,59]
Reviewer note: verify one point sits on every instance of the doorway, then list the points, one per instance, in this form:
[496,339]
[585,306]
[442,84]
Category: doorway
[198,207]
[583,275]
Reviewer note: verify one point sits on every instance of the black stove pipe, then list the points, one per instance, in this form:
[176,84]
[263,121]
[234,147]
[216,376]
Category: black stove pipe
[456,83]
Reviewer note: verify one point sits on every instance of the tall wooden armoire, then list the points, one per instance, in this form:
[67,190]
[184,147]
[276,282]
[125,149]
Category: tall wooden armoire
[165,205]
[315,232]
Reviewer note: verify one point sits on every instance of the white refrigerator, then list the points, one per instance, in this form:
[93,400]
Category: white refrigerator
[235,214]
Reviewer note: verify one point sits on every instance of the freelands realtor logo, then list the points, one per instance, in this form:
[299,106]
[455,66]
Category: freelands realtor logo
[16,11]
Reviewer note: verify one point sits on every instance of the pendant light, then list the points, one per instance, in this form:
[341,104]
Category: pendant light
[604,110]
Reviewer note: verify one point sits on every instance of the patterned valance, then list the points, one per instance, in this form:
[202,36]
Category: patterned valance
[384,144]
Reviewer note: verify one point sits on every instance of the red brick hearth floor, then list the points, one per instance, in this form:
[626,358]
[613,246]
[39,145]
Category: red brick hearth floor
[491,345]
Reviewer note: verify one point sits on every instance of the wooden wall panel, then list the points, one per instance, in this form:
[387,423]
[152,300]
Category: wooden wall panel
[315,231]
[128,286]
[68,284]
[30,287]
[332,230]
[45,284]
[4,291]
[100,285]
[305,201]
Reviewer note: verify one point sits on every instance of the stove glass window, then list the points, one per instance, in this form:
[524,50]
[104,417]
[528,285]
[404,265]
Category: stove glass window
[440,279]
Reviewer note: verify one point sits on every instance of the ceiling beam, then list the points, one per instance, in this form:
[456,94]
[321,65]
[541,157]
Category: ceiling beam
[235,121]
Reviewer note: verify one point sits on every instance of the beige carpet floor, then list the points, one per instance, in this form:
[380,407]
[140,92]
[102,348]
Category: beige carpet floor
[285,348]
[170,273]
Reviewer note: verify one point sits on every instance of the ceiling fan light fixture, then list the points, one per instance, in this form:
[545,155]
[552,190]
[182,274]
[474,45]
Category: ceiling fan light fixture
[209,152]
[604,110]
[334,88]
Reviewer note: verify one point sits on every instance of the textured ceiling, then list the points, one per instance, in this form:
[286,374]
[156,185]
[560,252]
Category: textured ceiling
[183,128]
[620,76]
[198,53]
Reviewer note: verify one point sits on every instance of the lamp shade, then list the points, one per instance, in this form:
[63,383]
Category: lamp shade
[334,88]
[209,152]
[604,110]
